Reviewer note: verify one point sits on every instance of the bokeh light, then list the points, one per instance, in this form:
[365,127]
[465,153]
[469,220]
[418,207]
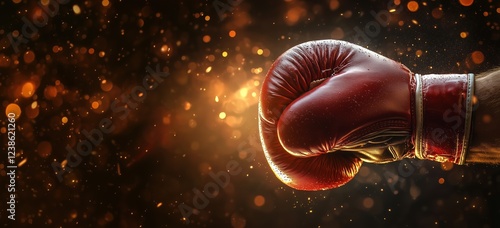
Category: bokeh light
[98,64]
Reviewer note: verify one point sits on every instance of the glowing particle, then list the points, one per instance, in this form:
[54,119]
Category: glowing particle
[294,15]
[187,105]
[91,51]
[224,54]
[260,51]
[368,202]
[259,200]
[164,48]
[334,4]
[222,115]
[21,163]
[159,204]
[206,38]
[477,57]
[64,119]
[13,108]
[437,13]
[466,2]
[102,54]
[34,105]
[76,9]
[166,119]
[412,6]
[95,105]
[446,166]
[414,21]
[216,98]
[83,50]
[418,53]
[486,118]
[106,85]
[392,10]
[192,123]
[207,18]
[50,92]
[29,56]
[211,58]
[337,33]
[243,92]
[44,149]
[105,3]
[208,69]
[441,180]
[232,33]
[28,89]
[464,34]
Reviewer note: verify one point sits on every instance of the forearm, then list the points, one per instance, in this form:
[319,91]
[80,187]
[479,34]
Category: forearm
[485,141]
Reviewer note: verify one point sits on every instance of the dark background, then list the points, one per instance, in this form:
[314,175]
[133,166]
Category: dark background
[204,114]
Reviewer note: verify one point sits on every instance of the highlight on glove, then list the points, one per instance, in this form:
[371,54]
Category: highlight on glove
[327,106]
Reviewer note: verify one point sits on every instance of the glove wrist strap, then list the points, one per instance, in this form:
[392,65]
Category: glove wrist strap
[443,116]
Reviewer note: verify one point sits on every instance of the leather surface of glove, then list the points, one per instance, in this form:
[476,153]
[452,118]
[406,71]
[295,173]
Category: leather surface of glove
[328,105]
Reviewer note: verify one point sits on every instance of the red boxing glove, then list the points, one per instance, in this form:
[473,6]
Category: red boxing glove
[326,106]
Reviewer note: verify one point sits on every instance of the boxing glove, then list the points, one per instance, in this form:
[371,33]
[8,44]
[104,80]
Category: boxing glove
[326,106]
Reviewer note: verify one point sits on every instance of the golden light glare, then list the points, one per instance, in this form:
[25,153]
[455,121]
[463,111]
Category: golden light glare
[164,48]
[28,89]
[368,202]
[13,108]
[187,105]
[412,6]
[50,92]
[259,200]
[29,57]
[76,9]
[477,57]
[466,2]
[206,38]
[95,105]
[222,115]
